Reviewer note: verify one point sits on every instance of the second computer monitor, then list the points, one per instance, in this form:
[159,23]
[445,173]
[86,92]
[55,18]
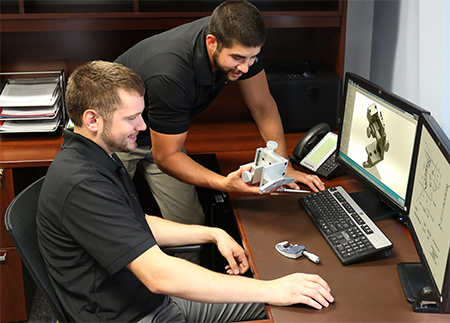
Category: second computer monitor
[376,143]
[429,215]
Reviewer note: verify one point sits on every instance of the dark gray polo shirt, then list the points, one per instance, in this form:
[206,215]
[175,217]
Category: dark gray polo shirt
[89,229]
[180,83]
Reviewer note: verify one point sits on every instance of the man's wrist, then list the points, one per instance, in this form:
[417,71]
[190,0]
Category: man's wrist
[216,234]
[219,183]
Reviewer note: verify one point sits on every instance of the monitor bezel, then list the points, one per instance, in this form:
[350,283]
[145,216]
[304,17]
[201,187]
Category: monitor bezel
[442,141]
[396,101]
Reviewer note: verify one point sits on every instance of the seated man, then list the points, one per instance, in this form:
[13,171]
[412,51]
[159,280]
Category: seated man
[103,253]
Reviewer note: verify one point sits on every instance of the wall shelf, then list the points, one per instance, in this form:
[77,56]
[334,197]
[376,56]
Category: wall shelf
[35,22]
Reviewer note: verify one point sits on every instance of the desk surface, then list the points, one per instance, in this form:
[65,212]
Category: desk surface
[29,150]
[366,292]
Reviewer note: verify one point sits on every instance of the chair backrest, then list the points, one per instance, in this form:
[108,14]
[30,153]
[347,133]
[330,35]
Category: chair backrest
[20,221]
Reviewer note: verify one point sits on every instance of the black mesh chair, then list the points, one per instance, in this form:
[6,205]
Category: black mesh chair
[20,221]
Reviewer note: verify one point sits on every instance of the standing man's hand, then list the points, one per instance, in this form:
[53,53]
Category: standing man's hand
[314,182]
[235,184]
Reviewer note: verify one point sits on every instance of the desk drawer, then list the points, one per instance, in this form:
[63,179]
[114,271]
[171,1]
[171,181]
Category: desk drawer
[12,295]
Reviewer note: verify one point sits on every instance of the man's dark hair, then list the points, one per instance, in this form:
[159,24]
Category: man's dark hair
[237,22]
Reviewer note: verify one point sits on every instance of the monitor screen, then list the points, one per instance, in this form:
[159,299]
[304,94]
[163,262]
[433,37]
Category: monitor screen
[429,215]
[377,135]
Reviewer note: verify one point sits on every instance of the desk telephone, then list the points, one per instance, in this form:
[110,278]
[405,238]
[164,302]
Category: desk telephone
[317,150]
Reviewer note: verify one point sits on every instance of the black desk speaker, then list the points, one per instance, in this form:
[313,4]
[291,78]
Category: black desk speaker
[306,93]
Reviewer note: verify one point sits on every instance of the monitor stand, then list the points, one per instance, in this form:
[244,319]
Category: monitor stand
[373,206]
[416,288]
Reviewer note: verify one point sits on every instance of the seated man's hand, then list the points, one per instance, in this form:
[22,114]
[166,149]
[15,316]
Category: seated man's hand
[313,181]
[297,288]
[233,253]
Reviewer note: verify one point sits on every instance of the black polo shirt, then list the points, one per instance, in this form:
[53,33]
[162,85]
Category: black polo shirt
[89,229]
[180,83]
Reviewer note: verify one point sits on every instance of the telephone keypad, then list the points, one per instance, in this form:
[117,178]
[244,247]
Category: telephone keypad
[328,166]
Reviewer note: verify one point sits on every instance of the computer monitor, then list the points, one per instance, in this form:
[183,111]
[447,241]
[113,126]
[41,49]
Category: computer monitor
[378,131]
[429,222]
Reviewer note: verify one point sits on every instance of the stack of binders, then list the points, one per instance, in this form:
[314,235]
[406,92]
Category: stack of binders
[32,105]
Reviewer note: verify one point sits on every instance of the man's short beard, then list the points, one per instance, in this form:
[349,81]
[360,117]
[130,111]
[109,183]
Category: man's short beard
[220,68]
[111,143]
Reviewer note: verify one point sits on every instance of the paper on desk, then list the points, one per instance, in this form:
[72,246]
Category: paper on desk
[14,126]
[27,95]
[18,113]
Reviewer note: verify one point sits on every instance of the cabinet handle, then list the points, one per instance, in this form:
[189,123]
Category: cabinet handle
[1,177]
[3,258]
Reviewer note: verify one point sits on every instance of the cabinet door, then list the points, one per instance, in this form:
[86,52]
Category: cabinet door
[12,294]
[6,196]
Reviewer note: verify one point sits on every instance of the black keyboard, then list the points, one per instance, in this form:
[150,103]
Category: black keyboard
[351,234]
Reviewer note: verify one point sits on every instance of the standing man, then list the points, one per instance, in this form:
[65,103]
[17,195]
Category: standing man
[184,70]
[101,251]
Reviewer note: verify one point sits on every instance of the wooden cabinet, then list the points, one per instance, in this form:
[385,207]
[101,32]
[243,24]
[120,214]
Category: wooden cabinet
[12,296]
[53,35]
[22,161]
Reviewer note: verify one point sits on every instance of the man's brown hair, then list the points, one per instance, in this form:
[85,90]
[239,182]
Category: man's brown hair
[96,85]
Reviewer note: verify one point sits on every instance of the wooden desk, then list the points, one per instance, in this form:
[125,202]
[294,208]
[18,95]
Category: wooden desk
[366,292]
[20,154]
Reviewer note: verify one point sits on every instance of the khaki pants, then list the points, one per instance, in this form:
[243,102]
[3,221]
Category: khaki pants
[177,201]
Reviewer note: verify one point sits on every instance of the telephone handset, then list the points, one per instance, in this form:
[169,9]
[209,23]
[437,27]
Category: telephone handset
[316,151]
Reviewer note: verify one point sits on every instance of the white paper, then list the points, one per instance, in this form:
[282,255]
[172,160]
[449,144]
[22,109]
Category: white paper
[16,113]
[21,126]
[26,95]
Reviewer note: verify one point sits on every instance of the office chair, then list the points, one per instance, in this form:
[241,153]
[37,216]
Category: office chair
[20,222]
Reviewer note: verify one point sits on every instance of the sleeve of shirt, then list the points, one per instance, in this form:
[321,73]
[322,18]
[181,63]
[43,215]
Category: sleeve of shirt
[99,219]
[167,105]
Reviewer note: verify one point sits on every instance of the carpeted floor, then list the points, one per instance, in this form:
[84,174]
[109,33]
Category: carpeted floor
[40,310]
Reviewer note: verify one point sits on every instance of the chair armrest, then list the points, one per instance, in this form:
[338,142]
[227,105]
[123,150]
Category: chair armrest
[183,249]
